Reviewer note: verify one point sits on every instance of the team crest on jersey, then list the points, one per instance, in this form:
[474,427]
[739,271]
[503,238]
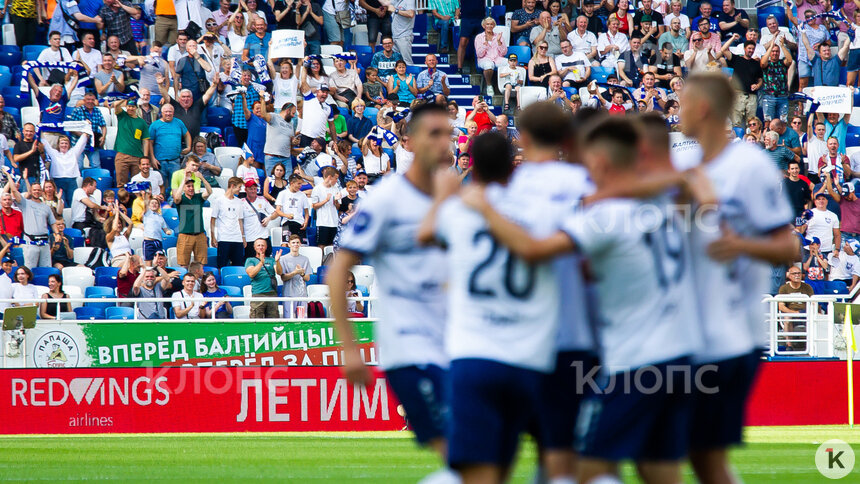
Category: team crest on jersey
[55,108]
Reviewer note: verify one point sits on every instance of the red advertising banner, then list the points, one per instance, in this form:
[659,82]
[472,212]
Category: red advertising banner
[222,399]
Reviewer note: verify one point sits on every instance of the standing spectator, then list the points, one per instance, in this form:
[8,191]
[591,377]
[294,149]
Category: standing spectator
[285,83]
[29,152]
[385,60]
[257,214]
[378,20]
[116,16]
[295,272]
[812,33]
[774,65]
[226,226]
[52,310]
[8,125]
[471,14]
[799,191]
[62,250]
[402,25]
[490,49]
[582,40]
[836,126]
[545,30]
[824,225]
[107,79]
[443,12]
[131,140]
[825,67]
[816,145]
[257,127]
[279,136]
[522,22]
[748,80]
[184,305]
[192,74]
[317,116]
[611,44]
[148,175]
[84,198]
[325,199]
[166,25]
[192,237]
[258,42]
[53,106]
[65,164]
[147,112]
[188,107]
[833,161]
[89,57]
[176,52]
[168,134]
[334,29]
[844,265]
[262,270]
[294,207]
[223,14]
[209,288]
[149,284]
[240,123]
[127,275]
[38,222]
[54,53]
[25,15]
[849,207]
[309,17]
[154,226]
[89,111]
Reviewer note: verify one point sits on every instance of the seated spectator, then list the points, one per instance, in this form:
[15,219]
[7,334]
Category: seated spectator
[184,307]
[263,271]
[52,198]
[675,37]
[815,264]
[511,78]
[22,289]
[555,93]
[402,84]
[546,31]
[355,308]
[654,97]
[295,273]
[345,81]
[794,285]
[522,21]
[384,61]
[432,79]
[222,309]
[463,167]
[583,41]
[29,152]
[574,67]
[358,126]
[62,249]
[464,142]
[845,265]
[778,153]
[372,88]
[611,44]
[481,114]
[51,310]
[632,64]
[676,12]
[622,15]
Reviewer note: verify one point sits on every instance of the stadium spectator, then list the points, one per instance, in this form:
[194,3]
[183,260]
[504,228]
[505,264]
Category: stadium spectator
[582,40]
[293,206]
[209,288]
[812,34]
[8,124]
[28,152]
[589,11]
[209,166]
[226,225]
[402,84]
[54,53]
[262,270]
[732,21]
[325,199]
[358,126]
[823,226]
[147,112]
[632,64]
[833,160]
[815,262]
[65,164]
[258,42]
[798,190]
[512,79]
[116,16]
[780,154]
[775,66]
[623,16]
[62,249]
[184,305]
[22,287]
[192,237]
[148,175]
[787,137]
[611,44]
[849,209]
[545,31]
[167,135]
[748,75]
[665,65]
[128,273]
[108,79]
[295,272]
[772,31]
[285,83]
[52,310]
[149,284]
[844,265]
[191,76]
[154,226]
[794,285]
[275,184]
[346,83]
[117,229]
[317,116]
[402,23]
[38,222]
[131,140]
[825,67]
[443,12]
[574,68]
[384,60]
[522,21]
[355,308]
[257,214]
[432,80]
[676,12]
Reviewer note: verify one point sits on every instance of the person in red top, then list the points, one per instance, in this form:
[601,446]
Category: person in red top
[11,220]
[849,206]
[127,275]
[481,115]
[833,157]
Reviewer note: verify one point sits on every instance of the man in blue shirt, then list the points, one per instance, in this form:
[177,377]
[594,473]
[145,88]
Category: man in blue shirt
[385,59]
[825,67]
[88,111]
[432,79]
[53,106]
[706,9]
[258,43]
[167,135]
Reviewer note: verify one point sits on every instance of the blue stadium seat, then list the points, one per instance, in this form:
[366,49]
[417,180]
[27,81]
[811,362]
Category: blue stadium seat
[313,279]
[106,281]
[5,77]
[219,117]
[370,113]
[107,158]
[524,54]
[364,54]
[229,270]
[45,271]
[40,280]
[321,272]
[120,312]
[97,291]
[238,280]
[10,55]
[106,276]
[777,11]
[230,136]
[14,98]
[91,302]
[31,52]
[233,291]
[171,217]
[72,232]
[498,13]
[852,139]
[169,241]
[89,312]
[95,173]
[212,254]
[17,253]
[155,100]
[600,73]
[103,183]
[210,129]
[414,69]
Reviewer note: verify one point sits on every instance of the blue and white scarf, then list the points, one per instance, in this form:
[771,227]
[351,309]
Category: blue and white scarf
[83,76]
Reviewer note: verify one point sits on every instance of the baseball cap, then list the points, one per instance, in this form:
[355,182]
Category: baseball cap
[814,240]
[159,252]
[250,183]
[847,188]
[8,259]
[855,245]
[360,172]
[323,87]
[820,195]
[512,57]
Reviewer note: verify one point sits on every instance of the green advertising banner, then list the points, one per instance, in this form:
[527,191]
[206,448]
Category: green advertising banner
[148,344]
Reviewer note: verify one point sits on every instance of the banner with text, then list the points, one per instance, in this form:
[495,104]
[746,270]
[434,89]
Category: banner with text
[287,43]
[144,400]
[145,344]
[833,99]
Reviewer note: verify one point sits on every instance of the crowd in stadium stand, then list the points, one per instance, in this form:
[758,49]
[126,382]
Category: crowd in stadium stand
[164,137]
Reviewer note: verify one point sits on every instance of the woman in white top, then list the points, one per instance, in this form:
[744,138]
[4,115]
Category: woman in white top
[251,12]
[23,289]
[376,162]
[237,33]
[316,76]
[348,85]
[117,231]
[66,162]
[285,84]
[247,172]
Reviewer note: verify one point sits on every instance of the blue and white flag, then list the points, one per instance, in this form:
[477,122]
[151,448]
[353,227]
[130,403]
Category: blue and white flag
[246,151]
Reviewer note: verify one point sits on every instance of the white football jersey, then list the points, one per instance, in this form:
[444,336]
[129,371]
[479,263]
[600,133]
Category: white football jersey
[752,203]
[556,188]
[410,278]
[501,308]
[639,256]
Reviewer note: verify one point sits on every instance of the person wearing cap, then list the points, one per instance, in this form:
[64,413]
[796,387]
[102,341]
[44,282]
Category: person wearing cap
[823,226]
[317,116]
[192,236]
[7,267]
[258,217]
[512,78]
[815,262]
[849,209]
[132,140]
[647,15]
[227,229]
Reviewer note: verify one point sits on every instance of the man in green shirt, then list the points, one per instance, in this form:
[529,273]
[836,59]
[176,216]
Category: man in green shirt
[191,238]
[132,140]
[264,282]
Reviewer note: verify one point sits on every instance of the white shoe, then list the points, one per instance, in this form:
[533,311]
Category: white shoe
[490,91]
[442,476]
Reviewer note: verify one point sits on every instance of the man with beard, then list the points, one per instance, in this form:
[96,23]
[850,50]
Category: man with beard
[279,136]
[150,285]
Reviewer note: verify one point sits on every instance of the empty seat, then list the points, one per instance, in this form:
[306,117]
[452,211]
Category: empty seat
[87,312]
[119,312]
[314,255]
[318,291]
[238,280]
[78,276]
[364,275]
[98,291]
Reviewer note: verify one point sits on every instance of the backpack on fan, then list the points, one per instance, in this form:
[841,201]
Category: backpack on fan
[213,140]
[98,258]
[316,310]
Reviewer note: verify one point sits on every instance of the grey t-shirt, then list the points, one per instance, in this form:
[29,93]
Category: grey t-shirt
[38,217]
[152,66]
[150,309]
[279,136]
[295,287]
[402,26]
[104,77]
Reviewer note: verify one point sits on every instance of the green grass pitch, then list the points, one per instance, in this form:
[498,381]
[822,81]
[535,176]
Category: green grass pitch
[773,454]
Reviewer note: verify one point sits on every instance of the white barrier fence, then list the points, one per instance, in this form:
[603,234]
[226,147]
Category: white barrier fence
[814,332]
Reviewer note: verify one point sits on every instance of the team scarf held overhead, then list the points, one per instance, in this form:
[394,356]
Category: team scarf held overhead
[83,76]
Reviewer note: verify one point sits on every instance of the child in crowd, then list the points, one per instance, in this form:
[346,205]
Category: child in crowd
[373,94]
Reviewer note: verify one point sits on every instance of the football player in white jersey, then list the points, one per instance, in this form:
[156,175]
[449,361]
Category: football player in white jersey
[732,268]
[410,279]
[640,259]
[502,320]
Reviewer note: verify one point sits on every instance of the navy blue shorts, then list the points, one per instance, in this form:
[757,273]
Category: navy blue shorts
[853,60]
[469,27]
[645,422]
[718,414]
[421,391]
[491,404]
[150,247]
[562,392]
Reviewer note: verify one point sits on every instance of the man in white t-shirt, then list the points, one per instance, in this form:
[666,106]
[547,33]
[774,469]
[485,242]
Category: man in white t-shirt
[183,306]
[573,67]
[772,30]
[294,207]
[582,40]
[325,199]
[845,265]
[611,44]
[226,226]
[824,224]
[258,216]
[176,52]
[147,174]
[54,53]
[317,116]
[88,196]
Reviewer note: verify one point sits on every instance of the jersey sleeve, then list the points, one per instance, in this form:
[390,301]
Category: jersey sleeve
[767,204]
[588,230]
[364,232]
